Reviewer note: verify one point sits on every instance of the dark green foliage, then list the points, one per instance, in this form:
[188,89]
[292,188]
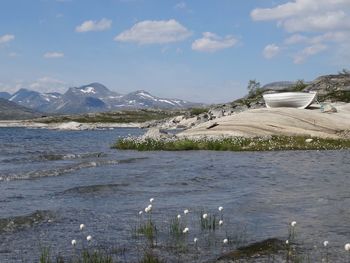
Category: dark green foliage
[253,88]
[300,85]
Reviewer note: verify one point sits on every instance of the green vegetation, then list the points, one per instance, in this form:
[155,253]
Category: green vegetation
[272,143]
[335,95]
[85,256]
[114,117]
[197,111]
[300,85]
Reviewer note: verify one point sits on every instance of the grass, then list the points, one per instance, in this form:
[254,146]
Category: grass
[148,229]
[272,143]
[85,256]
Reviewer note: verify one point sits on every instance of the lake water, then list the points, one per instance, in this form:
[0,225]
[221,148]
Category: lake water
[52,181]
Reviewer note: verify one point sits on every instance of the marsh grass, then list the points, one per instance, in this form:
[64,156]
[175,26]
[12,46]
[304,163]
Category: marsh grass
[270,143]
[86,256]
[176,228]
[147,229]
[209,223]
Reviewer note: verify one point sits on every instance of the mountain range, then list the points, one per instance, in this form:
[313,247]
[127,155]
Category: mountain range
[93,97]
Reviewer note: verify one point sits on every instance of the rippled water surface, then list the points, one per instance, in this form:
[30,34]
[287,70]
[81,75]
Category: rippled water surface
[51,181]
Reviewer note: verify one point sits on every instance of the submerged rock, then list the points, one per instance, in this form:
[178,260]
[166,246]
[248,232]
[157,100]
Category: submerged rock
[265,247]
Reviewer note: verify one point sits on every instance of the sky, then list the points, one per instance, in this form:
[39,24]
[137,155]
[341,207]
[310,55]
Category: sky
[197,50]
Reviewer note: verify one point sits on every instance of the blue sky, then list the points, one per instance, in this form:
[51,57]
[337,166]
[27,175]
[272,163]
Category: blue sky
[199,50]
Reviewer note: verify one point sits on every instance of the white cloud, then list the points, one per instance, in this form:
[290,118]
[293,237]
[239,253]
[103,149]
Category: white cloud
[6,38]
[53,55]
[154,32]
[181,5]
[314,25]
[307,52]
[43,84]
[13,54]
[210,42]
[48,84]
[91,25]
[271,51]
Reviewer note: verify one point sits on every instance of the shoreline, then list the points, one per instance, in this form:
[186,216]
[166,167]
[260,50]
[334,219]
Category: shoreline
[74,126]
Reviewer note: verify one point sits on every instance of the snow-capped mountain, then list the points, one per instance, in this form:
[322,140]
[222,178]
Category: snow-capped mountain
[34,100]
[94,97]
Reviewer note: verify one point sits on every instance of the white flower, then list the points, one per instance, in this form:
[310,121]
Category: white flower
[293,224]
[82,226]
[195,240]
[221,222]
[347,247]
[220,208]
[88,238]
[205,216]
[140,212]
[325,243]
[150,207]
[225,241]
[287,241]
[185,230]
[147,209]
[74,242]
[151,200]
[186,211]
[178,216]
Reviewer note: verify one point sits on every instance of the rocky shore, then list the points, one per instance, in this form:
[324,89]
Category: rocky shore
[74,126]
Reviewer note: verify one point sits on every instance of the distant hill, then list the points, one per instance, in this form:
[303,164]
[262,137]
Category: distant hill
[94,97]
[11,111]
[5,95]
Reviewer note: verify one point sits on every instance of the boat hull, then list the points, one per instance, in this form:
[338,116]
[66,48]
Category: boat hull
[299,100]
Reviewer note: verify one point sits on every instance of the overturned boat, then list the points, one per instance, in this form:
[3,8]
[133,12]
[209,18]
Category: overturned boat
[300,100]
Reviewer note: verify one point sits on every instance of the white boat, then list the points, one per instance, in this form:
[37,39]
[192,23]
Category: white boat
[299,100]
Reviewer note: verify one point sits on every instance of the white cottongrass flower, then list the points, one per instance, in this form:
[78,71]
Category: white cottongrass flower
[151,200]
[186,211]
[178,216]
[88,238]
[220,208]
[221,222]
[195,240]
[185,230]
[74,242]
[225,241]
[147,209]
[287,242]
[293,223]
[205,216]
[347,247]
[140,212]
[82,226]
[325,243]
